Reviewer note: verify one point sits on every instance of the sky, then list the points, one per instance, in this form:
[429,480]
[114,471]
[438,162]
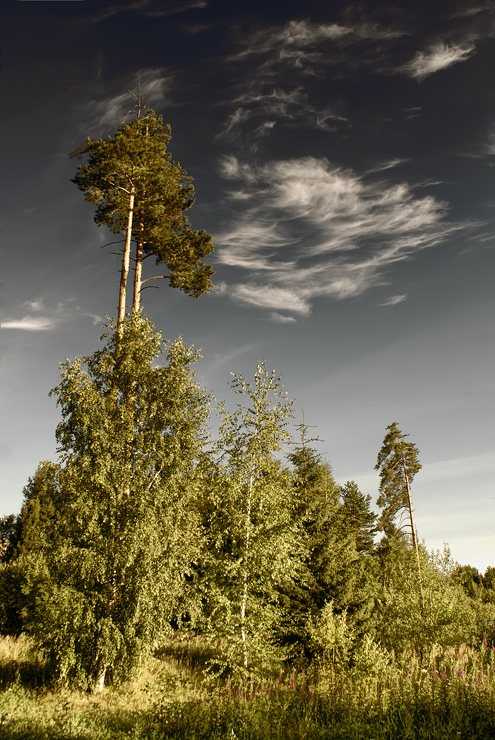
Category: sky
[343,159]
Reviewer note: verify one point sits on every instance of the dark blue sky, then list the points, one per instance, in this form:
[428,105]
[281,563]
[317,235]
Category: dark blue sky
[343,161]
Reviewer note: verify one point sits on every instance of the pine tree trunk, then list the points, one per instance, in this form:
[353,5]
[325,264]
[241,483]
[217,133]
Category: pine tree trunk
[124,273]
[138,274]
[414,538]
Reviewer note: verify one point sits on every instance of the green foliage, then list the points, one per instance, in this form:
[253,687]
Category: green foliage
[449,618]
[331,567]
[470,579]
[135,159]
[9,536]
[360,521]
[397,464]
[331,638]
[250,535]
[111,576]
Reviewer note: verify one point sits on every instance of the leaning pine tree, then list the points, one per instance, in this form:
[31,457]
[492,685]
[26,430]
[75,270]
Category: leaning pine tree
[398,463]
[127,533]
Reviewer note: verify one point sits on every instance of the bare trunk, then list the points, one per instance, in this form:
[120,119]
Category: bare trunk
[245,575]
[138,275]
[138,271]
[100,681]
[124,273]
[414,539]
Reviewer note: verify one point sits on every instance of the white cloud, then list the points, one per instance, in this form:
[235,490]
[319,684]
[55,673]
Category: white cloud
[307,228]
[439,56]
[268,296]
[388,165]
[30,323]
[297,40]
[282,65]
[221,359]
[262,108]
[461,467]
[394,300]
[52,318]
[150,8]
[113,110]
[279,318]
[94,317]
[36,304]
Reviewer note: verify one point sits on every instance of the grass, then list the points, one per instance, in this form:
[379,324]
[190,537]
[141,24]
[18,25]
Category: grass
[446,694]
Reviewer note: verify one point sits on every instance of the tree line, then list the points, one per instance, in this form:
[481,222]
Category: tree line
[146,524]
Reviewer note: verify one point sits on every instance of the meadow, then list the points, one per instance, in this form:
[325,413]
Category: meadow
[445,694]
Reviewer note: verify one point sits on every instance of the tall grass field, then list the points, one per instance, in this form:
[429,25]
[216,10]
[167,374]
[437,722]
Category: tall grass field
[444,695]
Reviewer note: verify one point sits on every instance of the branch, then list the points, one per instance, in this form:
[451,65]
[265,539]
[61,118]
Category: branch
[109,244]
[119,187]
[157,277]
[158,472]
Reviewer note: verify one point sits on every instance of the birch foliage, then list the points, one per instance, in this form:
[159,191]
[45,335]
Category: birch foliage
[113,578]
[249,528]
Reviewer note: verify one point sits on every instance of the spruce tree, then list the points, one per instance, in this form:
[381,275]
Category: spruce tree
[359,520]
[314,501]
[114,574]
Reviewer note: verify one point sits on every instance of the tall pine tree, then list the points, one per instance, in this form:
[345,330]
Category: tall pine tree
[141,193]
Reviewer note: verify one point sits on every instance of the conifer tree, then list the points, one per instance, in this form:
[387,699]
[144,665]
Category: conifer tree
[314,501]
[335,584]
[359,520]
[127,532]
[142,193]
[398,463]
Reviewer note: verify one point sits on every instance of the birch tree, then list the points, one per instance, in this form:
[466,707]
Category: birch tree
[127,534]
[248,523]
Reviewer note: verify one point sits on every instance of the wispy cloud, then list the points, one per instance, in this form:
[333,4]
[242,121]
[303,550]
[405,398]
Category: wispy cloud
[269,296]
[461,467]
[150,8]
[263,109]
[31,323]
[36,304]
[48,317]
[388,165]
[111,110]
[437,57]
[279,318]
[394,300]
[283,66]
[306,228]
[297,41]
[214,363]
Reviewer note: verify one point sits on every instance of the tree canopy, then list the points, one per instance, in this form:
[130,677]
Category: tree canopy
[140,192]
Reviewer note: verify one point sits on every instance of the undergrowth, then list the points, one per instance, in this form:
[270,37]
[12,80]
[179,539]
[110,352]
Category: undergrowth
[447,694]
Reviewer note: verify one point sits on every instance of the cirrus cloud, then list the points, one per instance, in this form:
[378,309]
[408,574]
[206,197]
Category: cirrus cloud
[437,57]
[306,228]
